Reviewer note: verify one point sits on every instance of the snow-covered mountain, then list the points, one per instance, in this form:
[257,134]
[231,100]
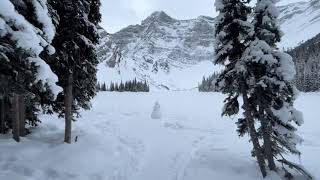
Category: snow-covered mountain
[162,50]
[299,21]
[176,54]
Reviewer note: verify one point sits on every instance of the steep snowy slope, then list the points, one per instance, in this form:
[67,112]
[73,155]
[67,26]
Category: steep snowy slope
[168,53]
[286,2]
[176,54]
[300,22]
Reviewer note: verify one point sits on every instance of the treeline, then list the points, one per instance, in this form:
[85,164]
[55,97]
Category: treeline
[307,63]
[47,61]
[208,84]
[128,86]
[307,60]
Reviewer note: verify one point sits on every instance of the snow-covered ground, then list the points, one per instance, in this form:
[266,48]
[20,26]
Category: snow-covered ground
[118,140]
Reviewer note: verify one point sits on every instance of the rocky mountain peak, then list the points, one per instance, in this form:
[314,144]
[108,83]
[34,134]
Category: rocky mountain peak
[158,16]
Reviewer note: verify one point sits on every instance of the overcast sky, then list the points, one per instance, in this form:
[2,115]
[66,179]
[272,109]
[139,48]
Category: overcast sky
[117,14]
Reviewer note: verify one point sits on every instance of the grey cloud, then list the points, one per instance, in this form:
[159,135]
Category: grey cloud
[118,14]
[121,13]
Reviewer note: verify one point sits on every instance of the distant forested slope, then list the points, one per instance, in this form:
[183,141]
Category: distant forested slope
[307,59]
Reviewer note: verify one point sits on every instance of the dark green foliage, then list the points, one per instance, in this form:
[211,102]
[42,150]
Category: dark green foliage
[307,60]
[232,36]
[266,94]
[209,84]
[242,127]
[104,87]
[230,32]
[18,75]
[94,15]
[130,86]
[75,50]
[271,93]
[98,87]
[231,106]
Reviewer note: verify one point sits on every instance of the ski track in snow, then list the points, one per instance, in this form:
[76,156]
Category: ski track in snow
[118,140]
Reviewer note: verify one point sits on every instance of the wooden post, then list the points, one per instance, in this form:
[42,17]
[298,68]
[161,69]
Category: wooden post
[68,98]
[16,118]
[22,116]
[2,115]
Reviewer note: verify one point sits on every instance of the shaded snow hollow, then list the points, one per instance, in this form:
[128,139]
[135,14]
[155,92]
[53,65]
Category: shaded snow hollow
[118,140]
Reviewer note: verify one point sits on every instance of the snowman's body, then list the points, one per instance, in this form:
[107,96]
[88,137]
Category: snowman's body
[156,113]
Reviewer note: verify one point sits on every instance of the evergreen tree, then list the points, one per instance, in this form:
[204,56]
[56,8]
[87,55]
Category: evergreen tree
[112,87]
[265,38]
[121,87]
[232,32]
[148,88]
[98,87]
[130,86]
[116,87]
[134,85]
[209,84]
[26,33]
[269,75]
[104,87]
[126,86]
[145,85]
[75,60]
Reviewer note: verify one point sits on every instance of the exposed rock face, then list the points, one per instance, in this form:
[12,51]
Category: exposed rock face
[161,47]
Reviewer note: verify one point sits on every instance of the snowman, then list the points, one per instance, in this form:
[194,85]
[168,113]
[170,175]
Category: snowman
[156,113]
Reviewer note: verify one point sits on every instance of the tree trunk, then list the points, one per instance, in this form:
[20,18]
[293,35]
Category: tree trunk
[2,115]
[268,145]
[266,133]
[22,116]
[68,98]
[16,118]
[253,134]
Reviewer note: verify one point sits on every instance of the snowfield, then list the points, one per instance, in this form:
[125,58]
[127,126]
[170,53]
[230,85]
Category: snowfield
[118,140]
[175,80]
